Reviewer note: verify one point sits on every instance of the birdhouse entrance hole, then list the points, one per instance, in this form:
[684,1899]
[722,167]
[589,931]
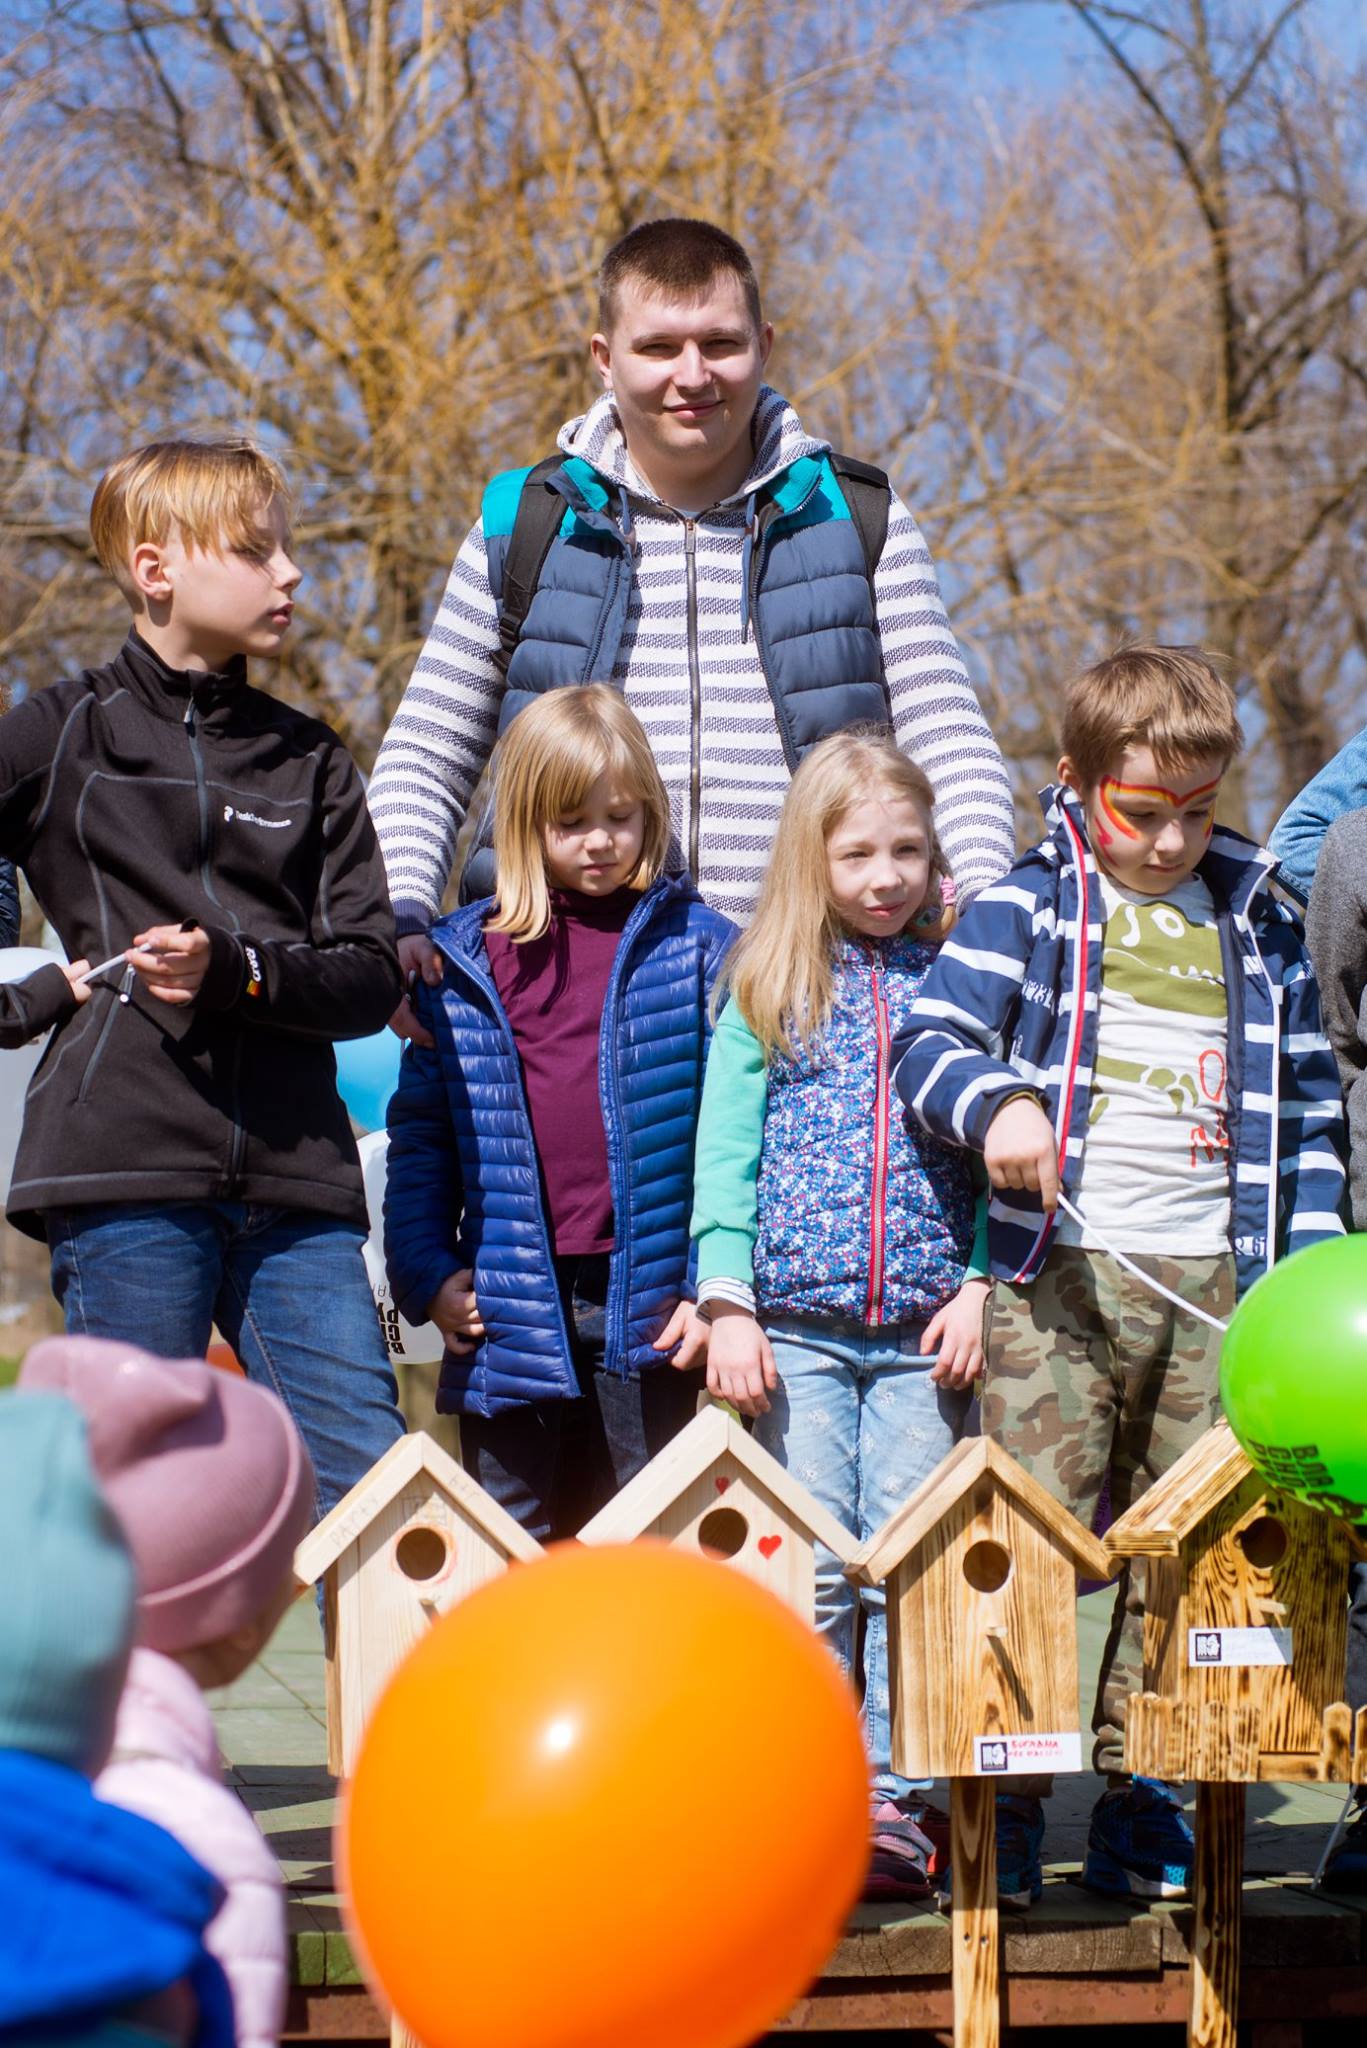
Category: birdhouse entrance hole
[722,1532]
[987,1566]
[1263,1542]
[421,1553]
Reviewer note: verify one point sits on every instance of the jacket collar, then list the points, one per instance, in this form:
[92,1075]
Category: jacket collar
[461,933]
[169,691]
[780,440]
[162,1712]
[1233,866]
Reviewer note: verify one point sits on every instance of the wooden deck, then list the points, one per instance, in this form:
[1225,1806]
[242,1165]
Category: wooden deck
[1072,1961]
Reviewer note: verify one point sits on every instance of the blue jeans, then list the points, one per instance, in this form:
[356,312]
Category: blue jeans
[860,1424]
[286,1287]
[553,1464]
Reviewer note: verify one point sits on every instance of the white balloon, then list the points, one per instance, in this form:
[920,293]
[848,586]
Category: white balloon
[418,1345]
[16,1068]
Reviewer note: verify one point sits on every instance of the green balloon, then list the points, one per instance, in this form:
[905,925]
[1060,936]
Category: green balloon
[1293,1375]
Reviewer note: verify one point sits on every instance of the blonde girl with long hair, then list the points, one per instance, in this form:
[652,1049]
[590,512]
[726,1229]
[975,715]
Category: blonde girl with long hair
[540,1160]
[834,1240]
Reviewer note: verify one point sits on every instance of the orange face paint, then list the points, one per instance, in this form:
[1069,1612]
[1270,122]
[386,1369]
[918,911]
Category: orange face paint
[1146,792]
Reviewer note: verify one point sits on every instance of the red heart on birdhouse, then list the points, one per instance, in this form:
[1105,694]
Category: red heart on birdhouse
[722,1485]
[768,1545]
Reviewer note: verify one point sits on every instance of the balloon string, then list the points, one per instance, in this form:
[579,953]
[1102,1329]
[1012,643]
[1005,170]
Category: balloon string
[103,967]
[1154,1286]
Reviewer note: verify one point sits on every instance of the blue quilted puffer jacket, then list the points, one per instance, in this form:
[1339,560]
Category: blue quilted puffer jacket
[464,1187]
[859,1214]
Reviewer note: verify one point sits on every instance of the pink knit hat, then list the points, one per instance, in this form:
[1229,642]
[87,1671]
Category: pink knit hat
[206,1472]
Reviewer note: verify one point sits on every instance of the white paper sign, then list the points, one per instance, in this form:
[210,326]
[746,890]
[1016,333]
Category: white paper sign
[999,1755]
[1217,1646]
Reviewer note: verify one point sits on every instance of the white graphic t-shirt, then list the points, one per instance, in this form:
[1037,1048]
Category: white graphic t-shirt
[1155,1165]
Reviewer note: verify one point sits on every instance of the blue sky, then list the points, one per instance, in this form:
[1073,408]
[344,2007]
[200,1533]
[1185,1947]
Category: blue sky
[1039,45]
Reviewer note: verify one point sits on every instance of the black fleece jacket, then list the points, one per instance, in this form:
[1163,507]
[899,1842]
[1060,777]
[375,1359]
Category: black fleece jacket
[132,796]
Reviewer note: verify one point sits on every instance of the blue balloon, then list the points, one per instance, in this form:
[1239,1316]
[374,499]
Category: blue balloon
[367,1075]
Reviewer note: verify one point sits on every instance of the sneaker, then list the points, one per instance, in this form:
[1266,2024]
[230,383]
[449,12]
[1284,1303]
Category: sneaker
[933,1822]
[900,1865]
[1140,1844]
[1346,1870]
[1020,1837]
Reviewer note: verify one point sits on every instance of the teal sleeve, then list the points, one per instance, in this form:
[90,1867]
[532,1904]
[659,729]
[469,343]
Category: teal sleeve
[726,1162]
[978,1267]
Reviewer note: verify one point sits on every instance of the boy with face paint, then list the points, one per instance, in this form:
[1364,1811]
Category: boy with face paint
[1127,1027]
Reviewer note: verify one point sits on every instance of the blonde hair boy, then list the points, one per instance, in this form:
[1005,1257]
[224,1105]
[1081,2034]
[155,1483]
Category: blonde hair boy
[210,849]
[215,495]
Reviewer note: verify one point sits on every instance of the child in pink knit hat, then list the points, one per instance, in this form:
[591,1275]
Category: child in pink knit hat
[214,1489]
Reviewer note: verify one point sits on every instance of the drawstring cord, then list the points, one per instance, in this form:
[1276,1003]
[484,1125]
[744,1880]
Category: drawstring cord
[1155,1286]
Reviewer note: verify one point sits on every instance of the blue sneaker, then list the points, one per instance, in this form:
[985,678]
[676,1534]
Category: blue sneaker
[1346,1870]
[1020,1837]
[1140,1845]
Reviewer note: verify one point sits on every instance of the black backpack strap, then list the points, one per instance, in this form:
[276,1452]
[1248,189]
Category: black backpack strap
[540,511]
[867,491]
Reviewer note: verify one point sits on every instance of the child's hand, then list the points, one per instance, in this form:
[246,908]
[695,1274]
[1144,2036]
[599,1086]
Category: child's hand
[740,1360]
[73,972]
[420,961]
[687,1329]
[455,1311]
[1020,1151]
[956,1333]
[170,963]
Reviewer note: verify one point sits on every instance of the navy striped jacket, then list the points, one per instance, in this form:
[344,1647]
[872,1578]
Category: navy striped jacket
[1012,1001]
[464,1184]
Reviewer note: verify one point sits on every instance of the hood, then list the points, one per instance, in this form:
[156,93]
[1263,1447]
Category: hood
[98,1907]
[1233,866]
[780,440]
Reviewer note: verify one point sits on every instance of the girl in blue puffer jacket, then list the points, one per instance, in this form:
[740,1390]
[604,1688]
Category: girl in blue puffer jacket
[834,1238]
[541,1149]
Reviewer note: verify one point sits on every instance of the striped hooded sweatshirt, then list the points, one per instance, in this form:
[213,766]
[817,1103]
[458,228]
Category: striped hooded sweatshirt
[445,726]
[1011,1006]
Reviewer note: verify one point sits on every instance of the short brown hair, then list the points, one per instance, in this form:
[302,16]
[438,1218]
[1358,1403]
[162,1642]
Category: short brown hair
[1167,698]
[213,494]
[678,259]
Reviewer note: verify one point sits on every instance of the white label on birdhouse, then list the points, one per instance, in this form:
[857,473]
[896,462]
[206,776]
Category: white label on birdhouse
[1217,1646]
[996,1756]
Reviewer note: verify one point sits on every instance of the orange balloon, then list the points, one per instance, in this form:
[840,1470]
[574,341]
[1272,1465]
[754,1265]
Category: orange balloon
[616,1799]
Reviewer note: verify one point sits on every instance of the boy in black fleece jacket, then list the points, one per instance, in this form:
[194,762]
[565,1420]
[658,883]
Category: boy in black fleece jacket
[185,1152]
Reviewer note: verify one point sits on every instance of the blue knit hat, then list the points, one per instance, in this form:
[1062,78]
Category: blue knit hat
[66,1590]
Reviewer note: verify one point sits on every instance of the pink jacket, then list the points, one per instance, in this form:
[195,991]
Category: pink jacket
[166,1765]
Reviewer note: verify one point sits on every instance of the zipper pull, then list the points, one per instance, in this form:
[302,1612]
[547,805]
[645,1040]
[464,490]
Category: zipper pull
[126,985]
[189,719]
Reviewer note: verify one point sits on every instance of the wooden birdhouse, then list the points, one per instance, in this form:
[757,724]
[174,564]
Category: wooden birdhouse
[411,1539]
[714,1490]
[1245,1624]
[981,1570]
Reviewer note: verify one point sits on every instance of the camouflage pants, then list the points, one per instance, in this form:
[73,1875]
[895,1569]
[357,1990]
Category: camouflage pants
[1090,1376]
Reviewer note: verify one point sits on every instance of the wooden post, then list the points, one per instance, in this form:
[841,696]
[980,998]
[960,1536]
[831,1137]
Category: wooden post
[973,1867]
[1217,1882]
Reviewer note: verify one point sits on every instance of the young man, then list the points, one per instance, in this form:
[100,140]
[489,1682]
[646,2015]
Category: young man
[708,563]
[1128,1028]
[184,1151]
